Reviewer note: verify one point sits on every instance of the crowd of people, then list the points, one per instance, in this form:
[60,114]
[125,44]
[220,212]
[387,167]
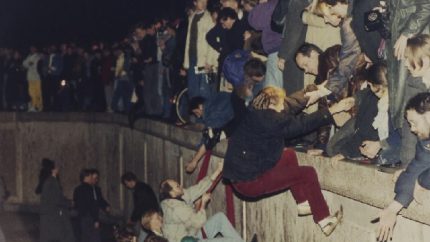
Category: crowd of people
[342,78]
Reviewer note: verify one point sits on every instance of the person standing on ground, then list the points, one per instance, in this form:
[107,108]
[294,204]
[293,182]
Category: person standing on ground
[55,222]
[144,200]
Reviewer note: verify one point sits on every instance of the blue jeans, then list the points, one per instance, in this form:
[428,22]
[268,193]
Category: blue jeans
[219,224]
[198,84]
[123,91]
[273,74]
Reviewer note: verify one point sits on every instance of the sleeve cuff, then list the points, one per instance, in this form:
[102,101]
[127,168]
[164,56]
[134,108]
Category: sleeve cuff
[403,199]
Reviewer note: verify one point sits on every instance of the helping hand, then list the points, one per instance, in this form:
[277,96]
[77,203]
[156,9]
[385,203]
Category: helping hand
[281,64]
[370,148]
[344,105]
[400,47]
[387,221]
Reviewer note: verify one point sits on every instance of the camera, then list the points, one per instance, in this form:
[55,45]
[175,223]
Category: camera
[374,20]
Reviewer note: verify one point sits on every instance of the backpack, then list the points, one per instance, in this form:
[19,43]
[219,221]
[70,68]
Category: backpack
[233,67]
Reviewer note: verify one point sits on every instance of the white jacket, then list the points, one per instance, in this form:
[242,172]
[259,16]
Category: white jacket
[205,53]
[180,218]
[30,63]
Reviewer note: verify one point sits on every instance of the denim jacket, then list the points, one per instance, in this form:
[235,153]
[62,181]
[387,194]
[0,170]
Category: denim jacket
[405,185]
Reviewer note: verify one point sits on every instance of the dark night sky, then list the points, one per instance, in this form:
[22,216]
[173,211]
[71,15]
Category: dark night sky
[24,22]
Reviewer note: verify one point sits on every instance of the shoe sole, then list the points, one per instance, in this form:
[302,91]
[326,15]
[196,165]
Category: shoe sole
[339,217]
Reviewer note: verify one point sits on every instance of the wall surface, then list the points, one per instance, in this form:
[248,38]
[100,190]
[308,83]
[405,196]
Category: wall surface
[156,151]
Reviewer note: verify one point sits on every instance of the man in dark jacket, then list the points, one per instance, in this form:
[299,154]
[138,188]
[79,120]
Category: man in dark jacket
[97,191]
[88,210]
[227,36]
[418,116]
[144,200]
[151,95]
[408,19]
[288,13]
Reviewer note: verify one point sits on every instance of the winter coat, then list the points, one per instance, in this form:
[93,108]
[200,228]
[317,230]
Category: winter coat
[144,199]
[180,219]
[30,63]
[259,19]
[410,18]
[405,184]
[257,144]
[348,58]
[205,53]
[55,222]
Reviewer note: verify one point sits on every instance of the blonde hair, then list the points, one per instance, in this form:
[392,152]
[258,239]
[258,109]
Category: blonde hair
[146,219]
[268,96]
[417,48]
[321,7]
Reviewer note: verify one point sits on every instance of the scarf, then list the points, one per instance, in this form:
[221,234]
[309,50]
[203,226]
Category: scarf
[381,120]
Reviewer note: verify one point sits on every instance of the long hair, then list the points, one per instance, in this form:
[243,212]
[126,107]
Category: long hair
[46,171]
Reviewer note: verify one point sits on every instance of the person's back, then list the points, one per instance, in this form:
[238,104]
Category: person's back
[144,199]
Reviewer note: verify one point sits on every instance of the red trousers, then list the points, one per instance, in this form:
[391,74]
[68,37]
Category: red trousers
[287,174]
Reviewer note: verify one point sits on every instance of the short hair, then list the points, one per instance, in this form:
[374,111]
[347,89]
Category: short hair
[269,95]
[227,13]
[84,173]
[420,103]
[139,25]
[94,171]
[254,67]
[307,48]
[332,2]
[128,176]
[319,7]
[195,102]
[417,48]
[377,74]
[252,3]
[165,190]
[146,218]
[155,238]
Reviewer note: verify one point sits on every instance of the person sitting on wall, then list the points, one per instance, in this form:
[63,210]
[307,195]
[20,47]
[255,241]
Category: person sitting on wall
[215,113]
[182,219]
[252,82]
[144,200]
[257,164]
[418,116]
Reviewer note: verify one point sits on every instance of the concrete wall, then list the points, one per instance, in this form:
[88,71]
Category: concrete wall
[156,151]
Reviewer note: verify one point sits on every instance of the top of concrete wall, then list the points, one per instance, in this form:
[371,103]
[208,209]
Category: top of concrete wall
[359,182]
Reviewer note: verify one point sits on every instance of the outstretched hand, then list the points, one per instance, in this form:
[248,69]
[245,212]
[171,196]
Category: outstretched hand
[344,105]
[387,221]
[400,47]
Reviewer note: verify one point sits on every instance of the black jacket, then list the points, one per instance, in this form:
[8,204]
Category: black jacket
[144,200]
[85,202]
[257,145]
[369,41]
